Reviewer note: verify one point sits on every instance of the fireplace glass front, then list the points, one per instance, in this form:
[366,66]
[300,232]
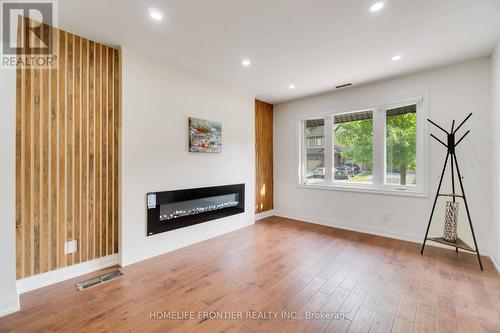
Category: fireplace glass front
[176,209]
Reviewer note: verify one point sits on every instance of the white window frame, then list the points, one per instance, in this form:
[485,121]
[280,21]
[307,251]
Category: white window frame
[379,149]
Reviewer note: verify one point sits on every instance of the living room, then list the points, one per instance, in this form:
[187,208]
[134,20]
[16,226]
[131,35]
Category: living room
[259,166]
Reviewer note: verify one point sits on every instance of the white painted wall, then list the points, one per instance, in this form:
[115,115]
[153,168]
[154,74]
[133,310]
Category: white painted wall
[157,100]
[495,75]
[454,92]
[9,300]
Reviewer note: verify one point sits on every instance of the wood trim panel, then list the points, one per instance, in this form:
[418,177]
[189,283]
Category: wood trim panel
[263,156]
[67,139]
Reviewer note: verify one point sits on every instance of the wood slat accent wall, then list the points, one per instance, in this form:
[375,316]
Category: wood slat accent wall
[67,153]
[263,156]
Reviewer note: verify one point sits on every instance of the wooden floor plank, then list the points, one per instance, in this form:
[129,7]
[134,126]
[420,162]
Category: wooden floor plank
[386,313]
[402,326]
[407,308]
[364,317]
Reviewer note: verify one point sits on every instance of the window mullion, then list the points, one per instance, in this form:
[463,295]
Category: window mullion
[378,147]
[328,149]
[302,152]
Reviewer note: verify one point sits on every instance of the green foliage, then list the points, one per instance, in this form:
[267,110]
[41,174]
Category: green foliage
[402,141]
[355,140]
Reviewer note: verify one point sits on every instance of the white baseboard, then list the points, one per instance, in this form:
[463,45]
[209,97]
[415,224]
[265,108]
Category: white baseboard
[66,273]
[366,229]
[398,234]
[496,262]
[9,304]
[263,215]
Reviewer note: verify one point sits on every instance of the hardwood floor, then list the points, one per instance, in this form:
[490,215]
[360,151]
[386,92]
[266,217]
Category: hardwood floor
[349,282]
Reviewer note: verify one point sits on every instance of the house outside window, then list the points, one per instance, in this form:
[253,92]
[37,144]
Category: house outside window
[315,155]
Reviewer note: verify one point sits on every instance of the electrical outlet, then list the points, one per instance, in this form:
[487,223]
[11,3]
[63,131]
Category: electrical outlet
[70,247]
[386,218]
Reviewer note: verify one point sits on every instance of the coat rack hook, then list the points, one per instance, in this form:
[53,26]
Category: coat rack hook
[463,122]
[462,138]
[444,144]
[442,129]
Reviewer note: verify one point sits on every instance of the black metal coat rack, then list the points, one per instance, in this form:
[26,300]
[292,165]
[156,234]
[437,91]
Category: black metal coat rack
[451,146]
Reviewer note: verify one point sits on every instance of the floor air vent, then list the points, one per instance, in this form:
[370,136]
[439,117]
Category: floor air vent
[98,280]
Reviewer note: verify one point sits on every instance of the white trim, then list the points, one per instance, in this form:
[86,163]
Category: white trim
[329,144]
[363,189]
[496,263]
[66,273]
[9,304]
[263,215]
[367,229]
[363,228]
[378,148]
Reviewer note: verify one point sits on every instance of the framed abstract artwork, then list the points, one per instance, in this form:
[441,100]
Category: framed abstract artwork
[205,136]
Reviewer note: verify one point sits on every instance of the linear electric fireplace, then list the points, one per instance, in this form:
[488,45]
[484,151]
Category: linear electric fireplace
[178,209]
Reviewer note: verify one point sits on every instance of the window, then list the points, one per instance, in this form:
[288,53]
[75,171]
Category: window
[315,156]
[311,142]
[319,142]
[401,146]
[379,148]
[353,147]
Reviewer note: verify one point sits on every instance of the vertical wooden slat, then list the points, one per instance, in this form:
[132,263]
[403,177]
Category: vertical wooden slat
[62,149]
[70,212]
[36,167]
[19,155]
[116,155]
[34,190]
[45,91]
[67,154]
[28,271]
[77,157]
[98,168]
[104,143]
[109,205]
[85,180]
[54,160]
[92,187]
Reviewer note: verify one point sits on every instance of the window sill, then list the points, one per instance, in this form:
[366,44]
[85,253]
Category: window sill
[369,190]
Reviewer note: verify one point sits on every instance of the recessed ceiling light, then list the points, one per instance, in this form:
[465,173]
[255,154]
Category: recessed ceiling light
[155,15]
[377,6]
[291,86]
[396,57]
[246,62]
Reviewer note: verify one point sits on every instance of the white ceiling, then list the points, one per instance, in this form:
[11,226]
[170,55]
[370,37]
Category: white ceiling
[316,44]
